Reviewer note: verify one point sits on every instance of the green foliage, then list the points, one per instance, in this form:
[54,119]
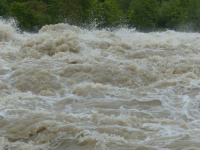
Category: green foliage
[194,14]
[40,10]
[108,14]
[30,15]
[178,14]
[55,10]
[86,6]
[164,11]
[3,8]
[25,17]
[20,1]
[174,14]
[124,4]
[143,14]
[72,12]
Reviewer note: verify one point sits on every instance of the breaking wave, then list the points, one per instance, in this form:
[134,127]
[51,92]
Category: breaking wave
[72,88]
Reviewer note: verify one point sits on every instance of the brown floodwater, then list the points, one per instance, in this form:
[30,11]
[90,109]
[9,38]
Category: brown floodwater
[67,88]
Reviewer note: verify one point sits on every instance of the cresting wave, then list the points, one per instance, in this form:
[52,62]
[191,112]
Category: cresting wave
[70,88]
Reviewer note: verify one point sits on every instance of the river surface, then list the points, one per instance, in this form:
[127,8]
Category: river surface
[67,88]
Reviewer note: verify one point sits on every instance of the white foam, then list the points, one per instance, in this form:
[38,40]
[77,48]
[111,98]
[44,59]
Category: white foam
[71,88]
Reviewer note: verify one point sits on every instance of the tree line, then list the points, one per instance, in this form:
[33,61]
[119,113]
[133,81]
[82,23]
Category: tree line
[144,15]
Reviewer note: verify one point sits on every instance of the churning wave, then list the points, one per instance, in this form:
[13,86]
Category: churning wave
[70,88]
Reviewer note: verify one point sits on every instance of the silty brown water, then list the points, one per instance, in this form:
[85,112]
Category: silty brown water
[70,88]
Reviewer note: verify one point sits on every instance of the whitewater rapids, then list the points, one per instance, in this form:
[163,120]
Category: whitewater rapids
[67,88]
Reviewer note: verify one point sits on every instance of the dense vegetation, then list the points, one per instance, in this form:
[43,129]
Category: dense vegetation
[142,14]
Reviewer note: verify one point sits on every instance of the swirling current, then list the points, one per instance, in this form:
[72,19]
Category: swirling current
[67,88]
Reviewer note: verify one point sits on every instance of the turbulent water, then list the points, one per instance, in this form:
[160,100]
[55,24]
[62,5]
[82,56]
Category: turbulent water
[70,88]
